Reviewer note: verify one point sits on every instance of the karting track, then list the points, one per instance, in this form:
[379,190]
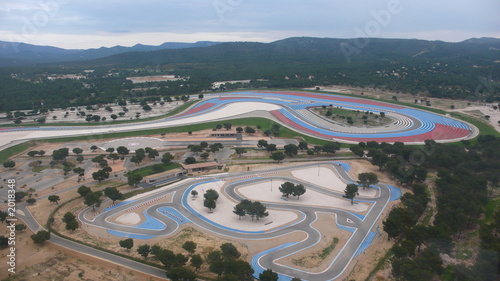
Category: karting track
[290,109]
[165,218]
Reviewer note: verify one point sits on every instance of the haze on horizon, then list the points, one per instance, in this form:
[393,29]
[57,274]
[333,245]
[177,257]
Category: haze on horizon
[91,24]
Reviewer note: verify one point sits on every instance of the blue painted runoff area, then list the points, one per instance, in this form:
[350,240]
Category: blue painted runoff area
[150,223]
[347,228]
[118,205]
[395,193]
[173,214]
[345,166]
[130,235]
[361,217]
[259,269]
[368,240]
[194,212]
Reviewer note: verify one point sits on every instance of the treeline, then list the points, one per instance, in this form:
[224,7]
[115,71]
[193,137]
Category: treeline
[466,175]
[447,71]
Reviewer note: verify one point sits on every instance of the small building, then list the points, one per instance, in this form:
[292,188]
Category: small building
[225,133]
[205,166]
[163,176]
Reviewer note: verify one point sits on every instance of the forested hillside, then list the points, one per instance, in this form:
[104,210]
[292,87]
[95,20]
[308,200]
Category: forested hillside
[456,236]
[466,70]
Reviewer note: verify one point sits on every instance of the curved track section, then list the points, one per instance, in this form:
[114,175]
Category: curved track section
[291,109]
[165,218]
[409,125]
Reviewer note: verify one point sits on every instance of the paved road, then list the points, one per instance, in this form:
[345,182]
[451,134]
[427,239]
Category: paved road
[284,108]
[336,268]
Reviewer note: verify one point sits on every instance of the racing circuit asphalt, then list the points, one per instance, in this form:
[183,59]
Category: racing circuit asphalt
[308,213]
[287,109]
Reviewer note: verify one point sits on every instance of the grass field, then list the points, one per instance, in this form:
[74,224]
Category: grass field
[344,115]
[146,171]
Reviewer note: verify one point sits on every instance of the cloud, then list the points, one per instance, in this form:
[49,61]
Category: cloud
[237,19]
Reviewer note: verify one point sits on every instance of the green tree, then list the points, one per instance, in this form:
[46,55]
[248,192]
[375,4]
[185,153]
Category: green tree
[33,153]
[262,144]
[249,130]
[54,199]
[239,130]
[228,126]
[239,210]
[20,195]
[210,204]
[259,210]
[272,147]
[190,160]
[211,194]
[40,237]
[72,225]
[240,150]
[357,150]
[20,227]
[298,190]
[68,216]
[181,274]
[229,251]
[350,192]
[167,158]
[9,164]
[367,179]
[79,158]
[84,190]
[122,150]
[127,243]
[303,145]
[291,149]
[144,250]
[93,199]
[278,156]
[268,275]
[60,154]
[189,246]
[3,216]
[286,189]
[134,179]
[31,201]
[113,193]
[331,147]
[77,151]
[196,261]
[194,193]
[113,157]
[100,175]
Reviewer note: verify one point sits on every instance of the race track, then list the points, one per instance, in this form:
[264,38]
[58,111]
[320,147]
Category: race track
[164,219]
[291,109]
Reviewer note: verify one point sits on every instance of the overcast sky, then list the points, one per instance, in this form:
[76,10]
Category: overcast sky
[81,24]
